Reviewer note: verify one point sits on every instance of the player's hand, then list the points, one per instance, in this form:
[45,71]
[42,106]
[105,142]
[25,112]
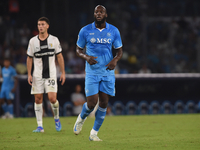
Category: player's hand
[111,65]
[30,80]
[62,78]
[91,60]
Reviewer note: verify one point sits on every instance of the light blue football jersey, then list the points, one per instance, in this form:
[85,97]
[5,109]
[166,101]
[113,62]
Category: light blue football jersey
[8,75]
[99,44]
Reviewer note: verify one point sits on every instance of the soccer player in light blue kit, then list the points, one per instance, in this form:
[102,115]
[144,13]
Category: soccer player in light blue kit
[98,38]
[8,88]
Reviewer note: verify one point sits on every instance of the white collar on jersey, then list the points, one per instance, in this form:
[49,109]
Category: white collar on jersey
[93,25]
[100,29]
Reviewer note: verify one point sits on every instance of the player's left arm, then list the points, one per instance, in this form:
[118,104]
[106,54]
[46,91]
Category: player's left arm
[62,67]
[117,44]
[112,64]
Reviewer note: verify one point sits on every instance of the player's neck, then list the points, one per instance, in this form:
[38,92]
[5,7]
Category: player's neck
[43,36]
[101,25]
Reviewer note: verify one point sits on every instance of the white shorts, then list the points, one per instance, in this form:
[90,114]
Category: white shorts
[44,85]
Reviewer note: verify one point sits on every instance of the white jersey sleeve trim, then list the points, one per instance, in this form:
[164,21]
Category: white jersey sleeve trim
[117,47]
[29,56]
[80,46]
[58,52]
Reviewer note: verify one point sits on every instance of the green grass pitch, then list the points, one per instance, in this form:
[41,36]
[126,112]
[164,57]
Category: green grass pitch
[152,132]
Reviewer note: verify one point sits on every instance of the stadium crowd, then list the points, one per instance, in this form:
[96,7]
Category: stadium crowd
[157,35]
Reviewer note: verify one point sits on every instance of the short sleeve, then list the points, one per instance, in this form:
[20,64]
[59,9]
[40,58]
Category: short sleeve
[58,48]
[117,40]
[81,41]
[30,49]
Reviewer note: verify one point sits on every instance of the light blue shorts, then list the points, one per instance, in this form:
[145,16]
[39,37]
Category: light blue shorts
[7,94]
[96,83]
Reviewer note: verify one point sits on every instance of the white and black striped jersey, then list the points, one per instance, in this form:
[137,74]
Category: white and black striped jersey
[43,53]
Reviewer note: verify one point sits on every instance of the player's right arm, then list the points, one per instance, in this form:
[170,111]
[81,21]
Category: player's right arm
[29,63]
[81,43]
[90,59]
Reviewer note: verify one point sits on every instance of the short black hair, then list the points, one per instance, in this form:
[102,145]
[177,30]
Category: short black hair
[44,19]
[101,6]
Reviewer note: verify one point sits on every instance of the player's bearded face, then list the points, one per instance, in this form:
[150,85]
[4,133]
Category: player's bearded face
[100,15]
[100,21]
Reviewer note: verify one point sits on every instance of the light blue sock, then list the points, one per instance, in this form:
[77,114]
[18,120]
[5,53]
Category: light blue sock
[10,109]
[85,111]
[99,118]
[4,107]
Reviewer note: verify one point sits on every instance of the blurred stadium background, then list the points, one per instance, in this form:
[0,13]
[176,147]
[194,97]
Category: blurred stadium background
[160,36]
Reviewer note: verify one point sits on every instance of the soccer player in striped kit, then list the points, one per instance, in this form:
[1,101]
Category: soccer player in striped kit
[42,50]
[98,37]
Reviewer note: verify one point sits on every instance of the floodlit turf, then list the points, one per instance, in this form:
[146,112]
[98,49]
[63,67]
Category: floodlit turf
[152,132]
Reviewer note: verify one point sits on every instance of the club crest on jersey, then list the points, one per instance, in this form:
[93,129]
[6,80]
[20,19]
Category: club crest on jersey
[50,44]
[108,34]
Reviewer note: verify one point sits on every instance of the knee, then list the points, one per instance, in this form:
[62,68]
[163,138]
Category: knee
[38,99]
[103,104]
[91,105]
[103,100]
[52,99]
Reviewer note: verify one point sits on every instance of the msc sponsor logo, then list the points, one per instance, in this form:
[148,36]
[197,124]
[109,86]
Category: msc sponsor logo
[101,40]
